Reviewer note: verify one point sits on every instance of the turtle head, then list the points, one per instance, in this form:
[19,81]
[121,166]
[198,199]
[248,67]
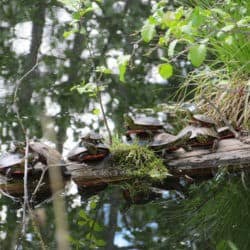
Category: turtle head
[128,120]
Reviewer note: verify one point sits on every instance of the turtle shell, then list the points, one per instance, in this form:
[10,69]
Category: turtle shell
[45,153]
[225,132]
[204,119]
[76,152]
[199,131]
[168,141]
[200,136]
[11,160]
[80,153]
[92,136]
[147,121]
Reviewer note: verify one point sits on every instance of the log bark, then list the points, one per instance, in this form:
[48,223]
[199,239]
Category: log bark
[231,153]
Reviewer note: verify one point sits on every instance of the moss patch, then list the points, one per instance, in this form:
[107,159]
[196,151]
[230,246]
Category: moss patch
[138,161]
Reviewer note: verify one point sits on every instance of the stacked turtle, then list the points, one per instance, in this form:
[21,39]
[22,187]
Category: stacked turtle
[40,154]
[201,132]
[142,128]
[153,130]
[90,148]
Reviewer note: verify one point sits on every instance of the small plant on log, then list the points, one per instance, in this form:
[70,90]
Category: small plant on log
[138,161]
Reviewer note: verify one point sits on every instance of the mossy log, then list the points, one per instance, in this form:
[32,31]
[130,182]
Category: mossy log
[199,163]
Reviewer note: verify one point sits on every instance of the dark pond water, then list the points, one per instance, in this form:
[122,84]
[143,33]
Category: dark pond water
[214,215]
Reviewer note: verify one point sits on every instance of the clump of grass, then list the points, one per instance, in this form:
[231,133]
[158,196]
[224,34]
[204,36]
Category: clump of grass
[229,94]
[138,161]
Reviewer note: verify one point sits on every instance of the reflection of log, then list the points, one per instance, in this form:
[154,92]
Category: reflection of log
[197,163]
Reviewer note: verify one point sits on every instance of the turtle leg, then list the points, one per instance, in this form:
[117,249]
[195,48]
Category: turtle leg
[215,145]
[8,174]
[187,148]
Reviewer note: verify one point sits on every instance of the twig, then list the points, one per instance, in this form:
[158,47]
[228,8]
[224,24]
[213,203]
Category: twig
[104,115]
[19,81]
[36,229]
[25,185]
[39,183]
[9,196]
[99,95]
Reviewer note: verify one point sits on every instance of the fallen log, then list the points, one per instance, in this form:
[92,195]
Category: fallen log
[199,163]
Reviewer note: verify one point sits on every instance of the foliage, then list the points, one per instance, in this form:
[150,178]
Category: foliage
[202,32]
[87,222]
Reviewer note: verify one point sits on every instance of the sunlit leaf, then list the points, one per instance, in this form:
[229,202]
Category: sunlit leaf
[148,32]
[179,13]
[171,48]
[122,64]
[66,34]
[165,70]
[96,111]
[103,70]
[197,54]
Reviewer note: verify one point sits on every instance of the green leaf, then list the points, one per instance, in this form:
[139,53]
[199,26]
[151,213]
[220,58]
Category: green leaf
[100,243]
[197,54]
[103,70]
[148,32]
[197,19]
[93,204]
[171,48]
[165,70]
[97,227]
[96,111]
[179,13]
[167,37]
[82,214]
[66,34]
[89,88]
[122,64]
[82,223]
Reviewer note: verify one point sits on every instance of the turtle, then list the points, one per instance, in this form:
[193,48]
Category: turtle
[145,126]
[225,133]
[12,163]
[169,142]
[203,121]
[87,151]
[92,138]
[47,156]
[201,137]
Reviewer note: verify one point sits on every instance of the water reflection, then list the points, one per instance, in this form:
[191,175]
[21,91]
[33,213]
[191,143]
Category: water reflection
[31,33]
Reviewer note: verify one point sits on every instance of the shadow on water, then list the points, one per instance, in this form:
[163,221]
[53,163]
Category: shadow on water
[215,214]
